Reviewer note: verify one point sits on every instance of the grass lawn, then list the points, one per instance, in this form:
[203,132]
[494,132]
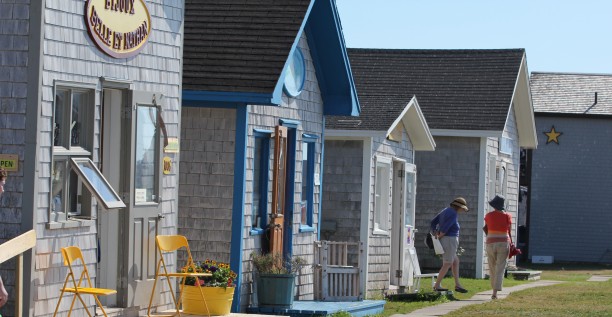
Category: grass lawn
[575,297]
[428,298]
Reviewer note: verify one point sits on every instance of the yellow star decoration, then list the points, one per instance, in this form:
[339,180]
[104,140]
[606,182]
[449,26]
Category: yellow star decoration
[553,135]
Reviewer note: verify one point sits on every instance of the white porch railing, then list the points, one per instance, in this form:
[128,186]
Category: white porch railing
[16,247]
[338,267]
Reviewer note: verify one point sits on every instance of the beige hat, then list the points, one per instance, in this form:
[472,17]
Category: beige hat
[460,202]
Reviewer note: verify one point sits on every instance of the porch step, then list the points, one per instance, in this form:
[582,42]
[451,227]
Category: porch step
[319,308]
[526,275]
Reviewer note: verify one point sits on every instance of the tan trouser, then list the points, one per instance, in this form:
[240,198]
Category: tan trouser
[497,254]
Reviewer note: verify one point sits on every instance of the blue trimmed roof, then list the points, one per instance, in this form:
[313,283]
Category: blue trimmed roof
[237,51]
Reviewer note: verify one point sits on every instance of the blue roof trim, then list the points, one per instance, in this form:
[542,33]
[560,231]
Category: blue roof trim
[331,61]
[278,90]
[236,247]
[200,97]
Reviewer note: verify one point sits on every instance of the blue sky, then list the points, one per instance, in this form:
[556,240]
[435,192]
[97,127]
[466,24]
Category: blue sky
[559,36]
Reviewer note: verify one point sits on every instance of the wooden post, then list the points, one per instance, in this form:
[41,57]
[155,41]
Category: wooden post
[19,285]
[16,247]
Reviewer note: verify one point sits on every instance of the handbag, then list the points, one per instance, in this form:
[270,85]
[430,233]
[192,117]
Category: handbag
[429,240]
[437,246]
[513,249]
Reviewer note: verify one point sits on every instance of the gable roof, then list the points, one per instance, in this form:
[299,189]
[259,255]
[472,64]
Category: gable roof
[237,51]
[571,93]
[460,92]
[406,116]
[457,89]
[239,45]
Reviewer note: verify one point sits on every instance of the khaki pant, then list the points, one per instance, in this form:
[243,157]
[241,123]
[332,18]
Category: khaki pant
[497,254]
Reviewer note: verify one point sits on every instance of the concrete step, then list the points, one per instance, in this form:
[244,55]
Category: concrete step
[525,275]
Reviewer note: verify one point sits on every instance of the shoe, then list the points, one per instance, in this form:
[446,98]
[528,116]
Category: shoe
[440,289]
[493,297]
[461,290]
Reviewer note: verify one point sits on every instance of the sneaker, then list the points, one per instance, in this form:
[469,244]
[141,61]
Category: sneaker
[460,289]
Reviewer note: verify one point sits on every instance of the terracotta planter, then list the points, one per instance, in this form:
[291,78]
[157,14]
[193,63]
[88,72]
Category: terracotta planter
[218,300]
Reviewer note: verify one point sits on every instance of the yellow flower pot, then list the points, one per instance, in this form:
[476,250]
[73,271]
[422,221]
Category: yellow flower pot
[218,299]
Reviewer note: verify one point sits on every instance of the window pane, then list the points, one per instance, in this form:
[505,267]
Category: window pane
[98,184]
[257,190]
[75,190]
[305,189]
[147,155]
[57,188]
[79,114]
[62,102]
[378,194]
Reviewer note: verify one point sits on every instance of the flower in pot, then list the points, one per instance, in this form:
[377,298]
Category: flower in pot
[276,278]
[218,289]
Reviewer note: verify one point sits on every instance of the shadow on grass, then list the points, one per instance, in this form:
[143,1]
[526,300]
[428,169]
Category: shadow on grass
[420,297]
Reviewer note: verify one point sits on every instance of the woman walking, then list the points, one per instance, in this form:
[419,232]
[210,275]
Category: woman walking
[497,228]
[446,226]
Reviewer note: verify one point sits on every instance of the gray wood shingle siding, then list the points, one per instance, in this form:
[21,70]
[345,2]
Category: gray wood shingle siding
[239,45]
[207,182]
[14,32]
[70,56]
[450,171]
[342,190]
[456,89]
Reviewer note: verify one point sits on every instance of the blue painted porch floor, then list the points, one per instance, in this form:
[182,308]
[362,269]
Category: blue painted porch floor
[316,308]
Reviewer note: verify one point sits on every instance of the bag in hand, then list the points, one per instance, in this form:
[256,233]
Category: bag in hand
[429,240]
[514,251]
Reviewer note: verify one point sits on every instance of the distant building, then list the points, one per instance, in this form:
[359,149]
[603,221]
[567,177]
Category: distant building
[569,214]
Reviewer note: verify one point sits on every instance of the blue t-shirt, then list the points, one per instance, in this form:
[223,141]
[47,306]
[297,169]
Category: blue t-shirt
[446,222]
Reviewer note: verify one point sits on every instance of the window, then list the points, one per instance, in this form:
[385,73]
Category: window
[72,137]
[308,175]
[502,180]
[261,181]
[147,149]
[74,177]
[382,192]
[96,183]
[505,145]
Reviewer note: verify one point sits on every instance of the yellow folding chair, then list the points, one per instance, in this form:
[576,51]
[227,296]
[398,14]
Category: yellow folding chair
[71,255]
[172,243]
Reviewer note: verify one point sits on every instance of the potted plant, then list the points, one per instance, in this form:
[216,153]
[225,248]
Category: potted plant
[276,278]
[218,289]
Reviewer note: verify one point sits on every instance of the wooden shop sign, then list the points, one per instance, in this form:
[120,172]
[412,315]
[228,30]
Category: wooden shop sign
[120,28]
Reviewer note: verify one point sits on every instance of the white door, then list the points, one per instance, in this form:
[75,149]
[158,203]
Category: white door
[142,181]
[402,235]
[408,225]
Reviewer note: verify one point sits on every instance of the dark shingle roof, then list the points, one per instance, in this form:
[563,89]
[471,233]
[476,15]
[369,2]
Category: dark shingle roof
[456,89]
[239,45]
[571,93]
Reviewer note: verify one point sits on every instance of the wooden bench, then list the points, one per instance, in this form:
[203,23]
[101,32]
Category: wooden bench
[525,275]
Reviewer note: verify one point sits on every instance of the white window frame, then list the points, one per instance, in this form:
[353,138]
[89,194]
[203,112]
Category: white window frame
[382,196]
[505,145]
[59,206]
[64,153]
[502,178]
